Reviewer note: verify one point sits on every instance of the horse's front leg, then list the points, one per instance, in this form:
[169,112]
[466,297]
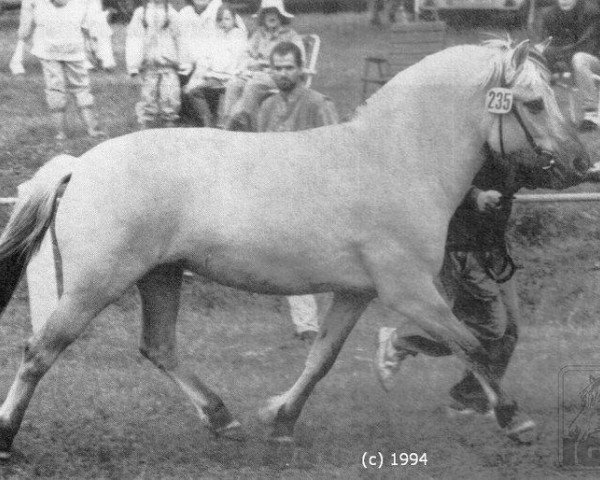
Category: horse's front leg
[408,288]
[283,410]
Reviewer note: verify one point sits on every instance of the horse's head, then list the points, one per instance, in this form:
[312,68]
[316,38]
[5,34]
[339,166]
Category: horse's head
[99,41]
[525,115]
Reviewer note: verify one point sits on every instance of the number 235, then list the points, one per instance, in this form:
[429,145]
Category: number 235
[499,100]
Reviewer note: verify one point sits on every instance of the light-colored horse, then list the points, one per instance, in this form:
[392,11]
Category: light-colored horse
[360,209]
[97,36]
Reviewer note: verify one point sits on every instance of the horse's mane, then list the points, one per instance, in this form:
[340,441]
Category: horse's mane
[464,62]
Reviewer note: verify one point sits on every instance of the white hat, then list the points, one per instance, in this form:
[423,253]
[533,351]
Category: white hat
[276,4]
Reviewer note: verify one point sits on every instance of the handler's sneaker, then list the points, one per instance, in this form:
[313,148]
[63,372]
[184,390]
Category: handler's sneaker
[388,358]
[590,121]
[520,429]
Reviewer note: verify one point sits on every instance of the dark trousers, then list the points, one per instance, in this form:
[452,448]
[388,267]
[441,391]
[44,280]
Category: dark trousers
[201,105]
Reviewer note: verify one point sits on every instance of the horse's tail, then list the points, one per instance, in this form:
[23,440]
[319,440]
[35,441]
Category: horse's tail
[29,222]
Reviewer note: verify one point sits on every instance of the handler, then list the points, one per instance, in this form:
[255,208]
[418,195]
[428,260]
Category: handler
[477,280]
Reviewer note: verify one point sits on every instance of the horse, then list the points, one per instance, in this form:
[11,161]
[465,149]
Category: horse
[97,39]
[359,209]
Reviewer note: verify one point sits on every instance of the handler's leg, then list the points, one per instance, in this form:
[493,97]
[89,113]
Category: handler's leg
[283,410]
[468,391]
[160,293]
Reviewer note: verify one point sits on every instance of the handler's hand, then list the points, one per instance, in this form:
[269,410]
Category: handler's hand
[185,68]
[488,200]
[593,174]
[16,67]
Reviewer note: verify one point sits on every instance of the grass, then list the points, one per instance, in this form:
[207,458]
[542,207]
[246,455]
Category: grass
[104,412]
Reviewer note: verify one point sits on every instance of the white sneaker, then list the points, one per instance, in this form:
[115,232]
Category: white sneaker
[521,428]
[592,117]
[388,358]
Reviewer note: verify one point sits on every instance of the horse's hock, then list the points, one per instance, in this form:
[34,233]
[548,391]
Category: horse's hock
[409,43]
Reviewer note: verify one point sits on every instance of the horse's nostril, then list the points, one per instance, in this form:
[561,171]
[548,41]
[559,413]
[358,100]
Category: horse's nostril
[581,164]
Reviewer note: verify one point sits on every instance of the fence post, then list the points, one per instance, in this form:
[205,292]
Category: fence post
[42,283]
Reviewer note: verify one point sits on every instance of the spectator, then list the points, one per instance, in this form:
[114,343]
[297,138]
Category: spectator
[295,107]
[574,26]
[58,42]
[476,277]
[198,23]
[155,49]
[251,86]
[378,6]
[215,64]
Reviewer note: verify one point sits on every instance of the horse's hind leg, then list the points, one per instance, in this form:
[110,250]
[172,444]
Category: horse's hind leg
[283,410]
[73,313]
[160,292]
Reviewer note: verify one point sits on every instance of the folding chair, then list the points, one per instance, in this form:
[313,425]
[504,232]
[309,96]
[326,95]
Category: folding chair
[312,45]
[409,44]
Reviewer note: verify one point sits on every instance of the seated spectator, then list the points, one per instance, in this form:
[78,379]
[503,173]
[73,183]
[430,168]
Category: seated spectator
[198,23]
[251,86]
[574,26]
[215,65]
[295,107]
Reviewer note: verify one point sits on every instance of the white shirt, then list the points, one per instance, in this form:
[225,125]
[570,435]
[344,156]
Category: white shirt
[57,31]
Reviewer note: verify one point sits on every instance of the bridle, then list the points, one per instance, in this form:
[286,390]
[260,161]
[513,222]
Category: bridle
[547,162]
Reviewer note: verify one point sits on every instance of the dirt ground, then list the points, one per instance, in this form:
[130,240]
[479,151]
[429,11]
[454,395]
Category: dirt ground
[104,412]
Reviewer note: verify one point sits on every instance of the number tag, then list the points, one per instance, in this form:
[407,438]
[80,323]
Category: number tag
[499,100]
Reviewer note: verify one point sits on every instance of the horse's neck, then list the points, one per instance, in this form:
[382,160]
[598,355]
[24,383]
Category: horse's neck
[433,131]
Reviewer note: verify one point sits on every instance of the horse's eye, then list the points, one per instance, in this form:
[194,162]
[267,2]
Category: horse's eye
[535,106]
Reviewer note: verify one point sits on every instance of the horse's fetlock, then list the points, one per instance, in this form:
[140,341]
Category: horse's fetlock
[161,360]
[35,363]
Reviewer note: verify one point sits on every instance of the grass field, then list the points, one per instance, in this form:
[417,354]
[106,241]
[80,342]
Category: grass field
[104,412]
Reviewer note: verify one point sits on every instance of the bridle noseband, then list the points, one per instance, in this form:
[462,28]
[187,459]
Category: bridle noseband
[546,157]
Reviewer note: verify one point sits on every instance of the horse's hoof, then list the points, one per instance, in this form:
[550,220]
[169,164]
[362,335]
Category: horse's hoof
[231,431]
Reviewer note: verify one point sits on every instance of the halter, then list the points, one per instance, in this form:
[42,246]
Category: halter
[547,158]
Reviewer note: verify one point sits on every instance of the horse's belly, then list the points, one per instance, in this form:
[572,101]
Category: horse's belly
[271,275]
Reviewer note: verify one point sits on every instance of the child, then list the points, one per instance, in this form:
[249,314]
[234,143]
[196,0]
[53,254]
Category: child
[58,42]
[215,63]
[154,47]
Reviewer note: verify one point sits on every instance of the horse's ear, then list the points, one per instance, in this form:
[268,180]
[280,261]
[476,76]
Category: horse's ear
[541,47]
[517,60]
